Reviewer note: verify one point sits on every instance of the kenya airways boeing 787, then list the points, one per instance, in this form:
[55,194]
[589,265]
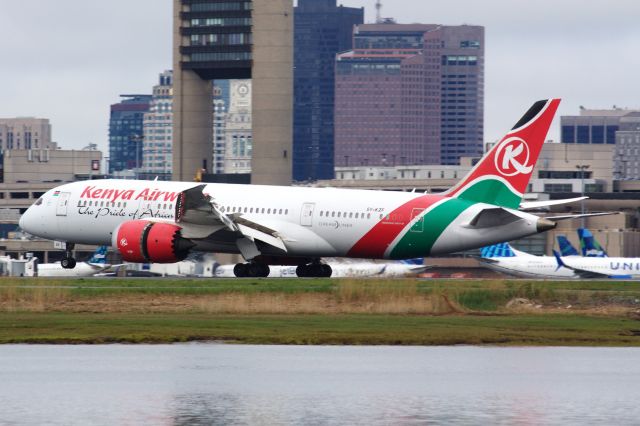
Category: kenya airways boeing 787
[148,221]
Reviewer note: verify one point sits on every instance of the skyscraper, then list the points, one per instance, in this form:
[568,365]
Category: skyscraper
[227,39]
[410,94]
[157,130]
[126,132]
[321,30]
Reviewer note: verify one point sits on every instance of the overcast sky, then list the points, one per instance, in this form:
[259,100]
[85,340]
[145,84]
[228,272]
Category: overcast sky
[68,60]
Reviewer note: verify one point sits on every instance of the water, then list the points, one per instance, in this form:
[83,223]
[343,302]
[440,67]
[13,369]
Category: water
[190,384]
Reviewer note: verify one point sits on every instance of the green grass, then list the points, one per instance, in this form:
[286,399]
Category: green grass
[44,311]
[319,329]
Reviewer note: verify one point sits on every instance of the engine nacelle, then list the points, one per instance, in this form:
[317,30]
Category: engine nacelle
[141,241]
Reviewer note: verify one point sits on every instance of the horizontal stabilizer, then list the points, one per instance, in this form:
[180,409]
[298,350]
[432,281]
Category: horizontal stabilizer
[491,217]
[578,216]
[532,205]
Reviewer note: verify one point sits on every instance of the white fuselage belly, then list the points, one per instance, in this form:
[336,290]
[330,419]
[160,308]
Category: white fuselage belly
[56,270]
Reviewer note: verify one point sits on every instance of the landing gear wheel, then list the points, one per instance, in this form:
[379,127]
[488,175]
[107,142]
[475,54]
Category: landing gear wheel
[240,270]
[252,270]
[326,270]
[319,270]
[68,263]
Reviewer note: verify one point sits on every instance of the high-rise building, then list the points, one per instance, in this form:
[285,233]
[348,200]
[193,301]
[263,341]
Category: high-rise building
[25,133]
[321,30]
[221,99]
[157,130]
[238,129]
[410,94]
[126,133]
[233,39]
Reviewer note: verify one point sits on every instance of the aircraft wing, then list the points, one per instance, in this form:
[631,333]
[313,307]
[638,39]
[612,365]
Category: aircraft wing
[200,216]
[532,205]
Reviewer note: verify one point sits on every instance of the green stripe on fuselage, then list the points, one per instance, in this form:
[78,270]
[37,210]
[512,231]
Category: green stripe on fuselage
[418,244]
[491,191]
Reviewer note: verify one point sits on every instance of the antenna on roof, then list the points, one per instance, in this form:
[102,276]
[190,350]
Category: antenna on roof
[378,10]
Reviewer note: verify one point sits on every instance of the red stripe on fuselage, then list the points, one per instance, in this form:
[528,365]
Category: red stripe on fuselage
[377,240]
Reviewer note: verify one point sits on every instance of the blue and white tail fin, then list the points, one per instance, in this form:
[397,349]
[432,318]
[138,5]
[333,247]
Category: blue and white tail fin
[99,256]
[497,250]
[418,261]
[566,248]
[588,244]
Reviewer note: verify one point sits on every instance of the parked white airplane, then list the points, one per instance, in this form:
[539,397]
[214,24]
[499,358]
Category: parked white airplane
[97,263]
[343,270]
[160,222]
[503,258]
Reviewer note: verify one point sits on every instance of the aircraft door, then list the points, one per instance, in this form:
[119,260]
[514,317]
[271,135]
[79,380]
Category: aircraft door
[306,216]
[419,225]
[62,203]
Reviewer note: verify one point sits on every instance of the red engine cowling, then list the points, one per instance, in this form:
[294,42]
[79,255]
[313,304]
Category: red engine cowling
[141,241]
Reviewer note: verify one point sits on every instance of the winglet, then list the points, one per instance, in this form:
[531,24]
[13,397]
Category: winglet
[559,260]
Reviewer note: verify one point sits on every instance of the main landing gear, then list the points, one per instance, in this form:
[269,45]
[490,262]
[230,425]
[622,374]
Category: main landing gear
[251,270]
[315,269]
[68,262]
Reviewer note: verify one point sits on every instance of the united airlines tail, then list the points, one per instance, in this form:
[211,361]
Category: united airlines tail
[588,244]
[566,249]
[502,176]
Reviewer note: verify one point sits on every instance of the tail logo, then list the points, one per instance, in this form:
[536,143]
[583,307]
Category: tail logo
[512,156]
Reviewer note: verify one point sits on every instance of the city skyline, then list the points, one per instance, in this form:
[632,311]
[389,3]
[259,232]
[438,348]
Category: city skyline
[70,70]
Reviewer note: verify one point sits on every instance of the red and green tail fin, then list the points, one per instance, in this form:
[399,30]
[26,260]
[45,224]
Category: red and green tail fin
[502,175]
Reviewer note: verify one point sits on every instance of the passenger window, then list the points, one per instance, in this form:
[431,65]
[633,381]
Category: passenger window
[350,215]
[286,211]
[280,211]
[251,210]
[269,211]
[321,213]
[368,215]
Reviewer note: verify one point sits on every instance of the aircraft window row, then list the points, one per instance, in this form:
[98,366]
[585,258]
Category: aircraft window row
[116,204]
[102,204]
[346,215]
[262,210]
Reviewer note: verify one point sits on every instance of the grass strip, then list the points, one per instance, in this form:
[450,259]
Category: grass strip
[529,330]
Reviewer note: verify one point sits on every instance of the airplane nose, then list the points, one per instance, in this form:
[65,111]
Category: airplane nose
[23,223]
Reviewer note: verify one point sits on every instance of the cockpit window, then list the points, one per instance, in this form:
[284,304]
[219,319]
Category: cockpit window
[37,203]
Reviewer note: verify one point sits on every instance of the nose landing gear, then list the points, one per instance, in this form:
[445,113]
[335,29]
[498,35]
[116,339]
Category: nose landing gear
[68,262]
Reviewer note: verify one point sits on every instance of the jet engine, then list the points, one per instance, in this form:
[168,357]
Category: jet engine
[141,241]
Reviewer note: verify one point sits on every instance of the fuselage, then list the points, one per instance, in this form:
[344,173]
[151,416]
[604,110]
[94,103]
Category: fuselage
[341,270]
[82,269]
[317,222]
[547,266]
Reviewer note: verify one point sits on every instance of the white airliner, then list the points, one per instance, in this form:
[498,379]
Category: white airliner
[160,222]
[97,264]
[343,270]
[503,258]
